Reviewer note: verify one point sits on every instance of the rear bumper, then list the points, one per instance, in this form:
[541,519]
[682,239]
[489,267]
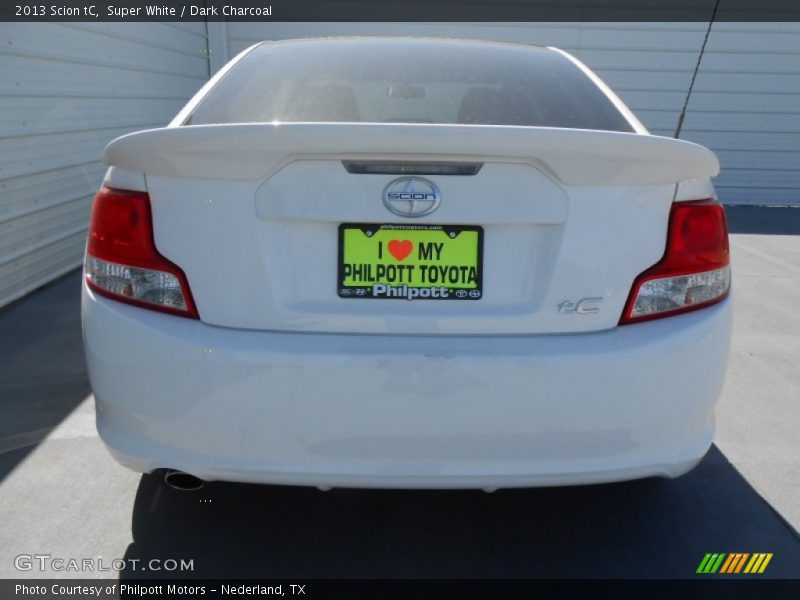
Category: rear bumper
[405,411]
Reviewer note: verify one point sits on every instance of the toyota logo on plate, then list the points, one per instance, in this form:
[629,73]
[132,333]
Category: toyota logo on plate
[411,197]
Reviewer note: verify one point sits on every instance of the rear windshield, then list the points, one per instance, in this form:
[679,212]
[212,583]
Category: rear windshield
[408,81]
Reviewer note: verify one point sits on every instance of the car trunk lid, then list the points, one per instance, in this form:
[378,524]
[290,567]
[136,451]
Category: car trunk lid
[252,214]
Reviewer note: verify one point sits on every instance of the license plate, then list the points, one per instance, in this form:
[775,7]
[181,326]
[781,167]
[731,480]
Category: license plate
[410,262]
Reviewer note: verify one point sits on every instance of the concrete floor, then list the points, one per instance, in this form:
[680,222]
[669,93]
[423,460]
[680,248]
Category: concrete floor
[61,494]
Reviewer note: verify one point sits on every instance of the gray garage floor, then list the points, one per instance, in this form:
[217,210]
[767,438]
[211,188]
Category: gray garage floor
[61,494]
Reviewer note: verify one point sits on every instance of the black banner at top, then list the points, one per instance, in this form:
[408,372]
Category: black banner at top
[400,10]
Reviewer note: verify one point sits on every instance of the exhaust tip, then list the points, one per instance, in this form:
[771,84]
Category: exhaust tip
[178,480]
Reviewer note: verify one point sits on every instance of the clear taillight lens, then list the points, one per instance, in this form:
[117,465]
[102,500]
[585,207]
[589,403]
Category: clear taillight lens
[144,285]
[695,270]
[122,261]
[673,293]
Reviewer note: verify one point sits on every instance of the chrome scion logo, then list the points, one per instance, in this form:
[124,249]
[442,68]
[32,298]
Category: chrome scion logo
[411,197]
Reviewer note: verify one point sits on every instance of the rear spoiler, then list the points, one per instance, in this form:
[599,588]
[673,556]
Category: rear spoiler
[255,151]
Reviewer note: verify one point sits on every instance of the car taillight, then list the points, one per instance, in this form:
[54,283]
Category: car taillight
[122,261]
[695,270]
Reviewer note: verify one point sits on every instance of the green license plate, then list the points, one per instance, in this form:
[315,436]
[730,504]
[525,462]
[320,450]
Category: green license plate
[410,262]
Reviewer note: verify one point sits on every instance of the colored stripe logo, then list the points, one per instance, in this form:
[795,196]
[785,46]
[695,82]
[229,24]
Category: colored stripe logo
[734,562]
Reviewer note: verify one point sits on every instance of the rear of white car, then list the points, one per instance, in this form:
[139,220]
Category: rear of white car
[407,263]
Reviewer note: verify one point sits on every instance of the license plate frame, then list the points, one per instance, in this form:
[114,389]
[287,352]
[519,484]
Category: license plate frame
[469,285]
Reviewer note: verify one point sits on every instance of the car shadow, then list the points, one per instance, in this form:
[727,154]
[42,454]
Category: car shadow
[654,528]
[42,372]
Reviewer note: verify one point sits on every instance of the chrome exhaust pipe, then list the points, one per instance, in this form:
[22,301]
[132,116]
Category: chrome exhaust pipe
[178,480]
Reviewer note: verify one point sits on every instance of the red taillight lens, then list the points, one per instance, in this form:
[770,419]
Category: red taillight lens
[695,270]
[122,261]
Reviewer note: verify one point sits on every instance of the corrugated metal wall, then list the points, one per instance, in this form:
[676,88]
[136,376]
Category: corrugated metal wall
[745,103]
[66,90]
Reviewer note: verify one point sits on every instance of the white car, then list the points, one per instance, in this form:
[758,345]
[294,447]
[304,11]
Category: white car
[398,262]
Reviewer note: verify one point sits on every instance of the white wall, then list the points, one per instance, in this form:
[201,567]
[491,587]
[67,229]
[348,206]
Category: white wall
[745,104]
[66,90]
[746,107]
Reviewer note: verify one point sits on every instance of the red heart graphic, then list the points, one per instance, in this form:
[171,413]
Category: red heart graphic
[400,249]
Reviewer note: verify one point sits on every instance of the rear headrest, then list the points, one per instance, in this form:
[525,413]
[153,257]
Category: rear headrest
[330,102]
[487,105]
